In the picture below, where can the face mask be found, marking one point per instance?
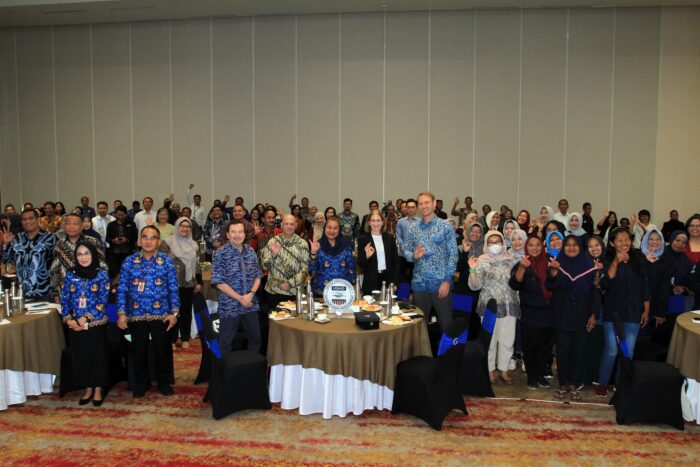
(495, 249)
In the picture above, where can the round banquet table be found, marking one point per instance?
(337, 368)
(30, 356)
(684, 354)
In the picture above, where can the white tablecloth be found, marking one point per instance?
(690, 399)
(312, 391)
(15, 386)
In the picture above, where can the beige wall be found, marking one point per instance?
(516, 107)
(678, 141)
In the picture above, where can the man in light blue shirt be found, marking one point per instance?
(403, 226)
(432, 247)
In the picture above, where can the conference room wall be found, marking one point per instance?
(515, 107)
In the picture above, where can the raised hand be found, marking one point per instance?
(7, 236)
(456, 199)
(622, 257)
(419, 252)
(473, 262)
(553, 263)
(191, 185)
(466, 245)
(315, 246)
(525, 262)
(369, 250)
(276, 247)
(597, 264)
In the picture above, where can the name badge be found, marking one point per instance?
(82, 302)
(142, 285)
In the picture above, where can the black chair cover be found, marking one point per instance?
(427, 387)
(474, 377)
(647, 392)
(238, 379)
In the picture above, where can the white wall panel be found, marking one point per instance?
(192, 109)
(317, 150)
(543, 106)
(112, 112)
(74, 137)
(151, 110)
(233, 110)
(274, 110)
(497, 107)
(589, 107)
(451, 105)
(406, 105)
(9, 141)
(36, 115)
(361, 108)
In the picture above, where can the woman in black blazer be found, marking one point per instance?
(379, 259)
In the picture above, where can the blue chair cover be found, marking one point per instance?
(488, 322)
(213, 344)
(462, 302)
(404, 291)
(676, 304)
(446, 342)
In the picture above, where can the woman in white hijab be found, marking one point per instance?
(490, 273)
(183, 250)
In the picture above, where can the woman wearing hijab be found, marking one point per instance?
(658, 272)
(184, 250)
(594, 342)
(575, 227)
(317, 229)
(626, 289)
(490, 274)
(471, 245)
(554, 241)
(575, 303)
(528, 278)
(331, 258)
(84, 298)
(509, 226)
(90, 232)
(492, 220)
(680, 265)
(523, 220)
(517, 243)
(537, 227)
(377, 254)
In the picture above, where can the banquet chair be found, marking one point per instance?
(238, 378)
(647, 392)
(457, 333)
(240, 341)
(462, 303)
(427, 387)
(474, 377)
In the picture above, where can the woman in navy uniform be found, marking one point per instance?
(84, 300)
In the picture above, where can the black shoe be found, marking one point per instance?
(531, 384)
(139, 394)
(166, 390)
(543, 383)
(97, 403)
(85, 401)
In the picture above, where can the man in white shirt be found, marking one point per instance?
(198, 213)
(562, 216)
(147, 216)
(101, 220)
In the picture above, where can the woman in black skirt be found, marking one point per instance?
(84, 300)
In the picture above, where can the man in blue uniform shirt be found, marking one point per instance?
(148, 301)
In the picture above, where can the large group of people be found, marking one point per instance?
(555, 276)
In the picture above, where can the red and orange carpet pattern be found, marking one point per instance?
(179, 430)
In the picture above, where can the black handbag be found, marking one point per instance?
(367, 320)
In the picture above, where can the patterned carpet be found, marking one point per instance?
(179, 430)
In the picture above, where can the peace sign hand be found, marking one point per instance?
(369, 250)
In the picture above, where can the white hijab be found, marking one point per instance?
(184, 248)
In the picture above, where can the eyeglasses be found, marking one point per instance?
(694, 226)
(149, 237)
(87, 253)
